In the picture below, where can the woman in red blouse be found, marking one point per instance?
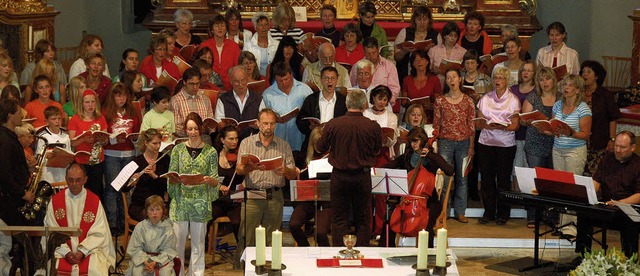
(156, 62)
(454, 127)
(96, 80)
(351, 51)
(228, 56)
(421, 83)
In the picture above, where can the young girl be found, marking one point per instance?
(121, 117)
(35, 109)
(89, 119)
(160, 117)
(153, 243)
(76, 86)
(526, 85)
(48, 68)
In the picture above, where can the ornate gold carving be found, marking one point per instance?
(23, 6)
(529, 6)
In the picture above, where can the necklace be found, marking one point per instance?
(456, 97)
(325, 33)
(194, 151)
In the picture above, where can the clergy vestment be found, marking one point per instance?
(83, 210)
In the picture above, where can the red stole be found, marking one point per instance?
(89, 214)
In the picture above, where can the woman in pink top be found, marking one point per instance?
(453, 125)
(497, 146)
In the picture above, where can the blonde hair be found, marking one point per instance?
(96, 113)
(4, 57)
(407, 117)
(146, 137)
(284, 11)
(47, 68)
(522, 69)
(578, 83)
(74, 93)
(503, 71)
(155, 200)
(544, 72)
(25, 129)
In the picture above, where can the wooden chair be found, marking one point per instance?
(618, 72)
(58, 186)
(66, 56)
(129, 223)
(213, 233)
(441, 222)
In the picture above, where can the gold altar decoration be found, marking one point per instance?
(22, 24)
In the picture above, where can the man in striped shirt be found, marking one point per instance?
(190, 100)
(265, 145)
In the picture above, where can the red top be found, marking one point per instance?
(343, 56)
(79, 125)
(148, 68)
(432, 89)
(35, 109)
(103, 87)
(230, 55)
(125, 123)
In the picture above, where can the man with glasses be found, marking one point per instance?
(384, 71)
(239, 103)
(189, 100)
(326, 58)
(323, 106)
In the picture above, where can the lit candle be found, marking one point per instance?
(30, 35)
(441, 250)
(423, 244)
(260, 246)
(276, 249)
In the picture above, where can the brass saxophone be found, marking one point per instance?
(34, 212)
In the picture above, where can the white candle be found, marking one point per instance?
(260, 246)
(30, 35)
(423, 244)
(276, 249)
(441, 249)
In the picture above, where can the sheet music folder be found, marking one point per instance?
(310, 190)
(562, 191)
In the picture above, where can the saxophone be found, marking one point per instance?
(34, 212)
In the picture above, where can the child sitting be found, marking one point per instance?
(153, 244)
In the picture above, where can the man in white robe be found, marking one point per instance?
(92, 252)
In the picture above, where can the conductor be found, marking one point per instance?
(353, 142)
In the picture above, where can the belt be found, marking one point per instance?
(266, 189)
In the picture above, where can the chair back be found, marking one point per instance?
(618, 72)
(129, 223)
(441, 222)
(67, 56)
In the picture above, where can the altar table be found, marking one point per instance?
(302, 261)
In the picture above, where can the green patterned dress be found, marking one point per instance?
(192, 203)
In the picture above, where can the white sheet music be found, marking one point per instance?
(398, 183)
(629, 210)
(124, 175)
(591, 190)
(525, 178)
(319, 166)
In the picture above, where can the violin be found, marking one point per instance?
(232, 156)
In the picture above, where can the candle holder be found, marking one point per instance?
(440, 270)
(421, 272)
(261, 269)
(276, 272)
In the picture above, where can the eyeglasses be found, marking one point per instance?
(330, 78)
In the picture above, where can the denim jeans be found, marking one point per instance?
(112, 199)
(453, 152)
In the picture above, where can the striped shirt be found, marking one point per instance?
(295, 33)
(182, 104)
(258, 179)
(572, 120)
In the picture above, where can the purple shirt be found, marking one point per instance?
(521, 133)
(498, 110)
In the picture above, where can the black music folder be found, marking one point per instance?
(562, 191)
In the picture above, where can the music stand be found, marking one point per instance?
(54, 236)
(390, 182)
(311, 190)
(245, 194)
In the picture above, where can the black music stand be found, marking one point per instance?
(311, 192)
(390, 182)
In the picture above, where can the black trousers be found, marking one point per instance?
(628, 235)
(305, 211)
(95, 179)
(351, 192)
(497, 164)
